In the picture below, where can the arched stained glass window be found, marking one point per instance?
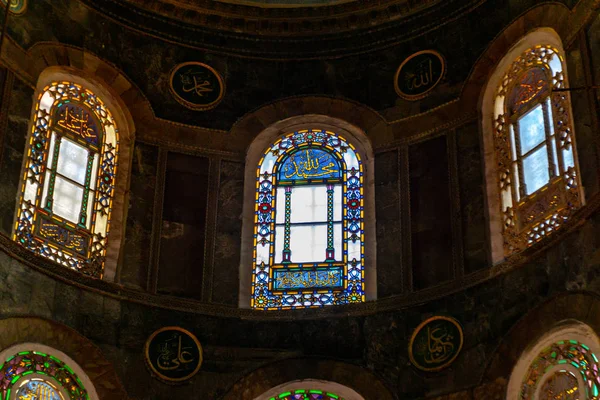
(308, 233)
(32, 375)
(306, 394)
(534, 144)
(68, 178)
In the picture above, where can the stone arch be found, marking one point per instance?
(33, 333)
(292, 372)
(255, 151)
(577, 309)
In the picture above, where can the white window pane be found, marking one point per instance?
(280, 206)
(350, 159)
(45, 190)
(309, 204)
(101, 223)
(94, 172)
(337, 241)
(531, 129)
(308, 243)
(499, 106)
(262, 253)
(535, 170)
(551, 120)
(72, 160)
(51, 150)
(555, 64)
(278, 244)
(337, 203)
(516, 180)
(513, 146)
(568, 158)
(554, 157)
(90, 208)
(67, 199)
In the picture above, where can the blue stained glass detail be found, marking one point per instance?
(309, 164)
(38, 390)
(535, 170)
(285, 279)
(310, 185)
(531, 129)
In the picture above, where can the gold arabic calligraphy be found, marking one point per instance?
(309, 167)
(308, 279)
(422, 77)
(439, 345)
(79, 124)
(529, 88)
(62, 236)
(168, 359)
(191, 82)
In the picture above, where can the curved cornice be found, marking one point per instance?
(275, 33)
(399, 302)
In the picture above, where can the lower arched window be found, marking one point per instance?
(37, 372)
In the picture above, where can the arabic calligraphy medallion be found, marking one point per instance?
(196, 85)
(173, 354)
(435, 343)
(16, 6)
(419, 74)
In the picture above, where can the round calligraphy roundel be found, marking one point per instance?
(173, 354)
(419, 74)
(196, 85)
(435, 343)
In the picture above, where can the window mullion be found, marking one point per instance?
(53, 168)
(86, 190)
(287, 253)
(551, 166)
(522, 185)
(330, 252)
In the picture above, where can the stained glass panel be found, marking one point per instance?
(308, 237)
(15, 374)
(61, 178)
(534, 148)
(305, 394)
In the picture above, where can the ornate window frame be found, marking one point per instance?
(57, 367)
(516, 220)
(60, 83)
(265, 140)
(571, 347)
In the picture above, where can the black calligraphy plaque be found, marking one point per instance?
(419, 74)
(196, 85)
(435, 343)
(173, 354)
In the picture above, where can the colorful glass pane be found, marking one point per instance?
(38, 389)
(308, 236)
(19, 367)
(565, 353)
(534, 149)
(306, 394)
(561, 385)
(68, 179)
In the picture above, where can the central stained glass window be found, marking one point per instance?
(308, 230)
(307, 395)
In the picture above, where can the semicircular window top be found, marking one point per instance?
(67, 187)
(306, 394)
(308, 224)
(534, 146)
(33, 375)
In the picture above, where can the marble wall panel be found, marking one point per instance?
(19, 111)
(136, 254)
(228, 234)
(431, 229)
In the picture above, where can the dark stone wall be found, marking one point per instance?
(136, 254)
(17, 103)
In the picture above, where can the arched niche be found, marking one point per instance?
(255, 152)
(566, 353)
